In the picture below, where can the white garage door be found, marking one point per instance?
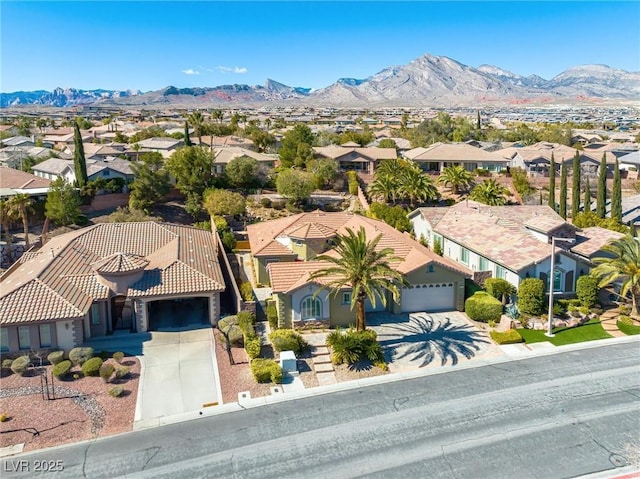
(428, 297)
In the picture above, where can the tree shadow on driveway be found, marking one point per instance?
(423, 339)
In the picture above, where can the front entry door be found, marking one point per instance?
(118, 320)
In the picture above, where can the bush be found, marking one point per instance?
(483, 307)
(229, 324)
(91, 366)
(510, 336)
(55, 357)
(266, 202)
(287, 340)
(21, 365)
(228, 240)
(266, 370)
(6, 366)
(106, 371)
(118, 357)
(272, 316)
(352, 178)
(61, 369)
(247, 321)
(351, 346)
(122, 372)
(116, 391)
(499, 288)
(587, 290)
(79, 356)
(253, 346)
(246, 290)
(531, 296)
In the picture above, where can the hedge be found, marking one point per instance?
(531, 296)
(21, 365)
(61, 369)
(587, 290)
(247, 321)
(55, 357)
(266, 370)
(483, 307)
(78, 356)
(287, 340)
(91, 366)
(511, 336)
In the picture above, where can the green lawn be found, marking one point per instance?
(587, 332)
(628, 329)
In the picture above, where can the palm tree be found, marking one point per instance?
(622, 262)
(363, 267)
(490, 193)
(416, 186)
(197, 120)
(5, 221)
(456, 177)
(19, 206)
(385, 186)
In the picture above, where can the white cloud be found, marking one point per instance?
(191, 71)
(239, 70)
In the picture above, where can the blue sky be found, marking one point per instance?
(152, 44)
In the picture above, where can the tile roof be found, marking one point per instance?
(452, 152)
(224, 155)
(590, 240)
(177, 260)
(371, 153)
(16, 179)
(310, 231)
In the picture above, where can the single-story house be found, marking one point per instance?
(438, 156)
(284, 252)
(363, 159)
(105, 278)
(224, 155)
(14, 181)
(510, 242)
(109, 168)
(163, 145)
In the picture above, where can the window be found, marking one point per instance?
(500, 272)
(346, 297)
(4, 339)
(45, 335)
(464, 255)
(95, 314)
(557, 280)
(24, 341)
(311, 308)
(483, 265)
(431, 269)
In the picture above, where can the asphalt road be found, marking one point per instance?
(556, 416)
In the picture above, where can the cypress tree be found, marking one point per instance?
(616, 195)
(552, 183)
(563, 191)
(575, 190)
(601, 195)
(587, 198)
(79, 162)
(187, 140)
(478, 125)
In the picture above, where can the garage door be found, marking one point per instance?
(428, 297)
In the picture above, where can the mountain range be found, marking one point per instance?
(429, 81)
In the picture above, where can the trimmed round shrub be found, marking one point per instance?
(118, 357)
(78, 356)
(106, 371)
(511, 336)
(21, 365)
(587, 290)
(531, 296)
(287, 340)
(91, 366)
(122, 372)
(61, 369)
(266, 370)
(499, 288)
(55, 357)
(116, 391)
(253, 346)
(483, 307)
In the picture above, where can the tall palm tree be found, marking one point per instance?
(416, 186)
(456, 177)
(363, 267)
(197, 120)
(5, 221)
(385, 186)
(490, 193)
(622, 262)
(19, 207)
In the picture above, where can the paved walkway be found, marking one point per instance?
(608, 320)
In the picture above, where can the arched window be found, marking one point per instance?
(311, 308)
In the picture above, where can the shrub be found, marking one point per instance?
(266, 370)
(228, 240)
(510, 336)
(79, 356)
(531, 296)
(625, 320)
(246, 290)
(266, 202)
(118, 357)
(20, 365)
(230, 326)
(272, 316)
(499, 288)
(61, 369)
(287, 340)
(351, 346)
(116, 391)
(587, 290)
(106, 371)
(247, 321)
(6, 366)
(122, 372)
(55, 357)
(91, 366)
(4, 417)
(253, 346)
(352, 178)
(437, 247)
(483, 307)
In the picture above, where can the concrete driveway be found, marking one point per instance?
(418, 340)
(179, 373)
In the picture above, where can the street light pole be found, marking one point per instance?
(549, 332)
